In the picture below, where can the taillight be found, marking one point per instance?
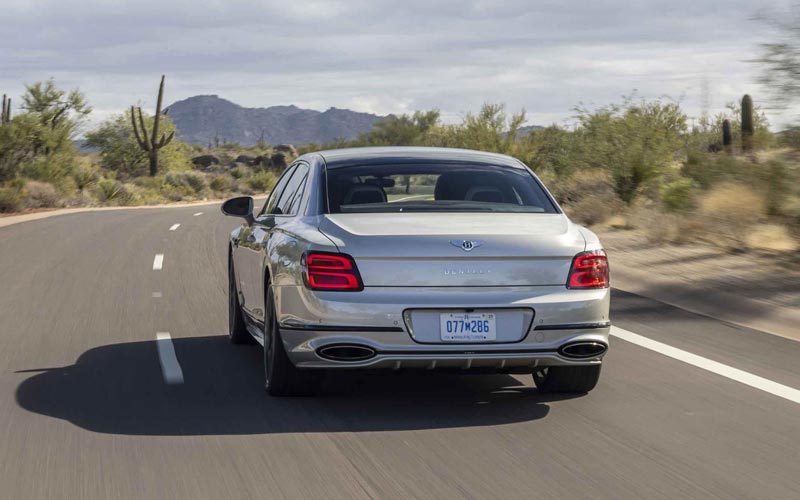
(589, 270)
(331, 271)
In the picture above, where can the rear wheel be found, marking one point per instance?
(567, 379)
(282, 378)
(237, 330)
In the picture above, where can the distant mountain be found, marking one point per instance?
(202, 118)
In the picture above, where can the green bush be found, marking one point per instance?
(194, 181)
(85, 176)
(51, 168)
(110, 190)
(677, 196)
(239, 172)
(11, 199)
(220, 183)
(262, 181)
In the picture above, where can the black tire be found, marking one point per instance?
(237, 330)
(567, 379)
(281, 377)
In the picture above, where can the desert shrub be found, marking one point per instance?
(111, 190)
(11, 199)
(594, 208)
(85, 176)
(778, 186)
(671, 228)
(677, 196)
(239, 172)
(156, 183)
(139, 195)
(734, 201)
(580, 185)
(220, 183)
(40, 195)
(50, 168)
(262, 181)
(120, 152)
(195, 181)
(635, 142)
(731, 209)
(771, 238)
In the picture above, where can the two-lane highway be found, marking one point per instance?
(116, 381)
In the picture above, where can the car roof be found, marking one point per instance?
(348, 157)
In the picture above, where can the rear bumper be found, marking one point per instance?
(374, 319)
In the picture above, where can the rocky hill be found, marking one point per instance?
(201, 119)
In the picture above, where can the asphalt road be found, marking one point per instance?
(85, 411)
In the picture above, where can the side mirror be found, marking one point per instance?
(239, 207)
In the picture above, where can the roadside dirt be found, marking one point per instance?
(757, 290)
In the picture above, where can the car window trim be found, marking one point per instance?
(297, 165)
(290, 172)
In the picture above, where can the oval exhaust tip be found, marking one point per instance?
(349, 352)
(583, 349)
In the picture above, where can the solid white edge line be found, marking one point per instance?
(174, 227)
(198, 213)
(730, 372)
(158, 262)
(170, 367)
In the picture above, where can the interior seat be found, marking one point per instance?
(489, 194)
(361, 194)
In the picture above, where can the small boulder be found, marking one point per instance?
(247, 160)
(205, 160)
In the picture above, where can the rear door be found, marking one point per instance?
(249, 254)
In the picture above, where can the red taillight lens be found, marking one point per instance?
(329, 271)
(589, 270)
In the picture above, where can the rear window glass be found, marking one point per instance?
(452, 187)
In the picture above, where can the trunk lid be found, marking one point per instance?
(427, 249)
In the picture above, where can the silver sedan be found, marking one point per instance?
(419, 258)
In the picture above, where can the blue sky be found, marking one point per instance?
(388, 56)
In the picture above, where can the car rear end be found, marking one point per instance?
(450, 264)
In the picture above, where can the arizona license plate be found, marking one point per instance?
(467, 327)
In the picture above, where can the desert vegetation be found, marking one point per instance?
(637, 163)
(129, 159)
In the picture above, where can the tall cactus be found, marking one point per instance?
(152, 143)
(5, 113)
(747, 123)
(727, 135)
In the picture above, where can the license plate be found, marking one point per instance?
(467, 327)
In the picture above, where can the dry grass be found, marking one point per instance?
(771, 238)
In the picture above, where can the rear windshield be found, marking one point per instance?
(452, 187)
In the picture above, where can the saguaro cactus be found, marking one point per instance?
(727, 136)
(5, 113)
(152, 143)
(747, 123)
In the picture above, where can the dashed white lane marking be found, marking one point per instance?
(170, 367)
(730, 372)
(158, 262)
(174, 227)
(157, 295)
(198, 213)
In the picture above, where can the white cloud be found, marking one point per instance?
(385, 56)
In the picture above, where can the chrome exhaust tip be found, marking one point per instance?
(346, 352)
(582, 350)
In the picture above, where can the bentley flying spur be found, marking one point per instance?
(416, 258)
